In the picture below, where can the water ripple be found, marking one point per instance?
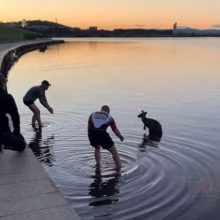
(177, 178)
(157, 180)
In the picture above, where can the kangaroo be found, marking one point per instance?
(155, 129)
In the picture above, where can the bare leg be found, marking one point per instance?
(115, 156)
(36, 116)
(97, 155)
(33, 120)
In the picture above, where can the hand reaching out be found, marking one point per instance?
(50, 110)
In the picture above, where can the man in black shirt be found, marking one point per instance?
(37, 92)
(11, 140)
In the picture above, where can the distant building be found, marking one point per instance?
(24, 23)
(93, 28)
(175, 26)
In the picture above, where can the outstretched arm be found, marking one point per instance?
(48, 108)
(118, 134)
(116, 131)
(43, 101)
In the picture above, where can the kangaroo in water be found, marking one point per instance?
(155, 129)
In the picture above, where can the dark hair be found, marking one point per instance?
(45, 82)
(105, 108)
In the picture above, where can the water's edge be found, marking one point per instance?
(22, 48)
(5, 64)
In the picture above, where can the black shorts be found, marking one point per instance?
(28, 103)
(100, 138)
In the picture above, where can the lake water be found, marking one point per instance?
(177, 81)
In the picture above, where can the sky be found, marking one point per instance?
(111, 14)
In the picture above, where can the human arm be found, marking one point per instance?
(116, 131)
(48, 108)
(43, 101)
(118, 134)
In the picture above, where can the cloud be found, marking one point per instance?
(216, 26)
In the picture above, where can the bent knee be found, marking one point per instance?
(112, 149)
(37, 111)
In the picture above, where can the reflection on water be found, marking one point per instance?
(176, 80)
(104, 187)
(42, 148)
(148, 141)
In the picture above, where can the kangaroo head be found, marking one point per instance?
(142, 114)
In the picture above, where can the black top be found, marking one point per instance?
(36, 92)
(8, 105)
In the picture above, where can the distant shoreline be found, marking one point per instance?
(31, 29)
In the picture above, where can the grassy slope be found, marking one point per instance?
(12, 34)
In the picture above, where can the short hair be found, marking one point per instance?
(45, 82)
(105, 108)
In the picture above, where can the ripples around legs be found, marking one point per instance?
(167, 180)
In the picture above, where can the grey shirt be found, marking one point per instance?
(36, 92)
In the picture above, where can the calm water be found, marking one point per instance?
(175, 80)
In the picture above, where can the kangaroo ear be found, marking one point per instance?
(142, 111)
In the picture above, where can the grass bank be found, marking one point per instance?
(13, 34)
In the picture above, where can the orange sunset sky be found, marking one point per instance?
(110, 14)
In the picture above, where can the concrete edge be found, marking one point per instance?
(24, 47)
(5, 65)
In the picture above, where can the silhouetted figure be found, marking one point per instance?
(155, 129)
(9, 59)
(37, 92)
(13, 56)
(8, 139)
(97, 125)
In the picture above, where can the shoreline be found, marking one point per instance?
(6, 59)
(26, 189)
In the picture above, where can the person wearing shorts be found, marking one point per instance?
(98, 136)
(37, 92)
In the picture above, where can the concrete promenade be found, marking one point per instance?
(4, 48)
(26, 191)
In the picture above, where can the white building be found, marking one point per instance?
(24, 23)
